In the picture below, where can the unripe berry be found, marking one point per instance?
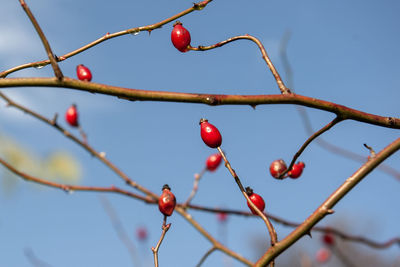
(83, 73)
(71, 116)
(210, 134)
(213, 161)
(256, 199)
(277, 167)
(180, 37)
(296, 170)
(167, 201)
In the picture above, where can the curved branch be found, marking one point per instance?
(281, 85)
(308, 141)
(211, 99)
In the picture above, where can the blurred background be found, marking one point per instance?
(340, 51)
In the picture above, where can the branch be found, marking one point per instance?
(322, 229)
(210, 99)
(165, 228)
(119, 229)
(281, 85)
(270, 227)
(328, 204)
(197, 178)
(205, 256)
(35, 261)
(308, 141)
(83, 144)
(56, 68)
(107, 36)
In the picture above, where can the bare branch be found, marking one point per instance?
(281, 85)
(210, 99)
(271, 230)
(53, 61)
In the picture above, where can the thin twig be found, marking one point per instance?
(71, 188)
(197, 178)
(271, 230)
(33, 259)
(326, 207)
(308, 141)
(281, 85)
(107, 36)
(165, 228)
(210, 99)
(120, 230)
(342, 257)
(205, 256)
(53, 61)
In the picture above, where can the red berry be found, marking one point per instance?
(222, 217)
(180, 37)
(210, 134)
(71, 116)
(328, 239)
(296, 170)
(323, 255)
(141, 233)
(167, 201)
(213, 162)
(277, 167)
(256, 199)
(83, 73)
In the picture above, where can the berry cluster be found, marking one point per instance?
(278, 168)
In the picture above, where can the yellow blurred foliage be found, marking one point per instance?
(58, 166)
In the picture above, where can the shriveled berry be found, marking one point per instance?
(213, 161)
(83, 73)
(180, 37)
(323, 255)
(210, 134)
(256, 199)
(296, 170)
(167, 201)
(277, 167)
(71, 116)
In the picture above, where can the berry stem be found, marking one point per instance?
(165, 227)
(308, 141)
(281, 85)
(197, 178)
(270, 227)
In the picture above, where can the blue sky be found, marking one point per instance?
(344, 52)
